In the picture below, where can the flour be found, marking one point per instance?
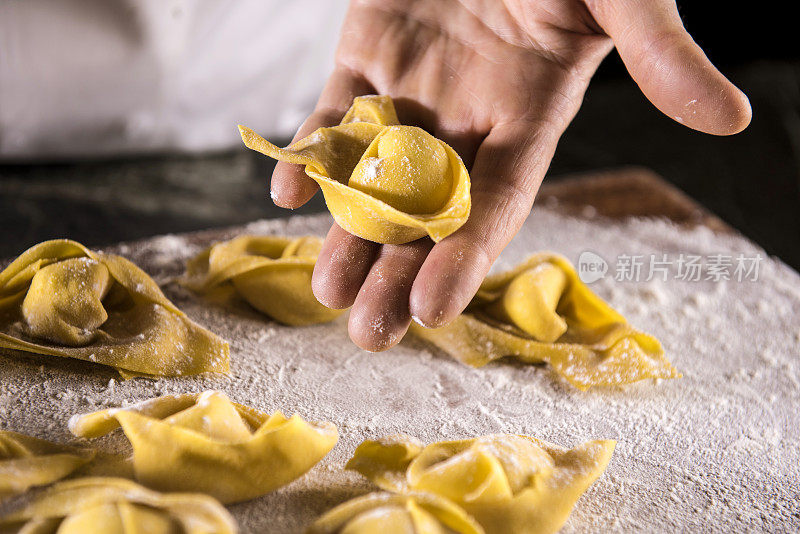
(371, 169)
(717, 450)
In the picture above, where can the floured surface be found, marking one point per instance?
(718, 449)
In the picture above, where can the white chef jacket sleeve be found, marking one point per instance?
(92, 78)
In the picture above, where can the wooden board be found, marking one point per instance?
(715, 450)
(614, 193)
(626, 192)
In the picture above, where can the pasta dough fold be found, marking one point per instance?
(26, 461)
(206, 443)
(117, 506)
(273, 274)
(509, 483)
(541, 312)
(61, 299)
(382, 181)
(414, 513)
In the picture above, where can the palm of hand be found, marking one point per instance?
(460, 76)
(499, 82)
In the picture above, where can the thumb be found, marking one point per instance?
(670, 68)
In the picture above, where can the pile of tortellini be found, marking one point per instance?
(497, 484)
(193, 453)
(190, 453)
(59, 298)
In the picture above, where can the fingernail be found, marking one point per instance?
(418, 321)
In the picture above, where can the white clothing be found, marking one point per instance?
(99, 77)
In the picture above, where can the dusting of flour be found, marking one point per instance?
(718, 450)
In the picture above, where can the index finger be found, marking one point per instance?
(290, 186)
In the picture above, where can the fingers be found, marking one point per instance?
(669, 67)
(380, 315)
(342, 266)
(375, 280)
(508, 169)
(290, 186)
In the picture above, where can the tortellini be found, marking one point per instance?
(508, 483)
(59, 298)
(541, 312)
(206, 443)
(26, 462)
(382, 181)
(273, 274)
(116, 506)
(415, 513)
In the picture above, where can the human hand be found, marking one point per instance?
(499, 81)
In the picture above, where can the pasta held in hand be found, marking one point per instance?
(206, 443)
(59, 298)
(541, 312)
(509, 484)
(273, 274)
(382, 181)
(26, 462)
(414, 513)
(117, 506)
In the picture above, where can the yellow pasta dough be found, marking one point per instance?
(382, 181)
(59, 298)
(387, 513)
(206, 443)
(541, 312)
(26, 461)
(509, 483)
(117, 506)
(273, 274)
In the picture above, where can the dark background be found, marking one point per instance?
(751, 180)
